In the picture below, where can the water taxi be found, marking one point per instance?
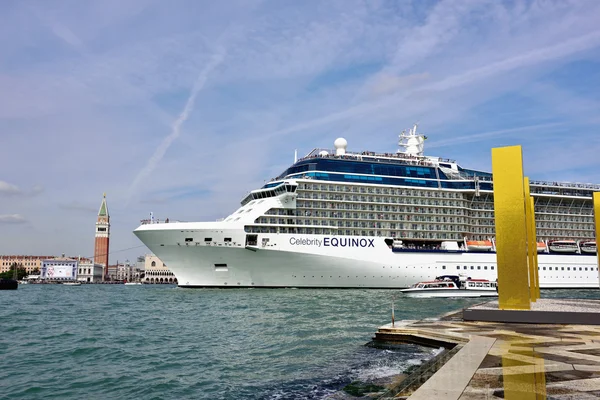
(453, 286)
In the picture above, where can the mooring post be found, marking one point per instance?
(393, 298)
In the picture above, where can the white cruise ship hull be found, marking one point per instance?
(321, 261)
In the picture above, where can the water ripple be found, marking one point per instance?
(160, 342)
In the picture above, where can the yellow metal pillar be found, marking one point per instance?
(596, 198)
(531, 241)
(511, 231)
(536, 271)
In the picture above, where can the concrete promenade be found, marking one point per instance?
(505, 360)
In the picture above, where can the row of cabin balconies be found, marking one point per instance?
(381, 191)
(328, 204)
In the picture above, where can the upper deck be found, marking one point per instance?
(409, 167)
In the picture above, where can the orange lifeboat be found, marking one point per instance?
(541, 247)
(479, 245)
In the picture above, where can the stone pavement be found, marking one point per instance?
(525, 361)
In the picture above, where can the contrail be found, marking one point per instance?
(176, 127)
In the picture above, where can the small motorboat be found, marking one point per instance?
(452, 286)
(588, 247)
(563, 246)
(479, 245)
(72, 283)
(132, 283)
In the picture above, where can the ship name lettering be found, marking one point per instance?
(333, 242)
(348, 242)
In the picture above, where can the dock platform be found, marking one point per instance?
(494, 360)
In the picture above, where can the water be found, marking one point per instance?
(162, 342)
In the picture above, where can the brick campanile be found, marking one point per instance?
(102, 237)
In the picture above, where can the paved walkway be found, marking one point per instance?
(521, 360)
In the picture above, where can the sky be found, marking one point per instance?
(181, 108)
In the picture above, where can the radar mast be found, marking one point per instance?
(411, 143)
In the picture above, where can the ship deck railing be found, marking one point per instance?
(371, 156)
(157, 221)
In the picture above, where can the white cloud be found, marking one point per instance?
(12, 219)
(9, 189)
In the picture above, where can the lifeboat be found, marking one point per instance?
(588, 247)
(541, 247)
(479, 245)
(563, 246)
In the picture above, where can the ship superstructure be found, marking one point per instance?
(337, 219)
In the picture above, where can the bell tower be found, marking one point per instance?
(102, 237)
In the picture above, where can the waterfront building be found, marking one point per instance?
(101, 246)
(88, 271)
(128, 272)
(59, 269)
(110, 273)
(157, 271)
(30, 263)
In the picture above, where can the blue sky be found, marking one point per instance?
(181, 108)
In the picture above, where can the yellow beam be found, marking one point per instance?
(596, 198)
(511, 230)
(531, 240)
(536, 271)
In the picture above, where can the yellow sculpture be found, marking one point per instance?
(511, 228)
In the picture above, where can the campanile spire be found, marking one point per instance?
(101, 247)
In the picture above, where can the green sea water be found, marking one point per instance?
(163, 342)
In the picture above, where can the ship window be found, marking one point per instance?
(586, 268)
(458, 267)
(443, 267)
(472, 267)
(189, 239)
(562, 268)
(479, 267)
(580, 268)
(568, 268)
(208, 239)
(227, 240)
(465, 267)
(485, 267)
(544, 268)
(492, 267)
(549, 268)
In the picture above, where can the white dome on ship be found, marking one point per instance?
(340, 145)
(323, 153)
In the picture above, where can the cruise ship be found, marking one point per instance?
(342, 219)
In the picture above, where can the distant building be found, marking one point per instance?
(110, 273)
(101, 245)
(128, 272)
(59, 269)
(155, 271)
(30, 263)
(88, 271)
